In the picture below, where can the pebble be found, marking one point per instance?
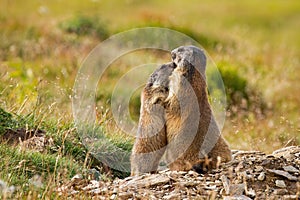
(225, 184)
(236, 197)
(125, 195)
(250, 192)
(280, 191)
(280, 183)
(237, 189)
(291, 169)
(114, 196)
(77, 176)
(261, 176)
(115, 191)
(258, 168)
(284, 174)
(213, 187)
(171, 196)
(193, 173)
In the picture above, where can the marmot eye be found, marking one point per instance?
(173, 55)
(174, 65)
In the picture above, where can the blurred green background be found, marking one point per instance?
(255, 44)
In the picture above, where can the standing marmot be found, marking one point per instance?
(176, 117)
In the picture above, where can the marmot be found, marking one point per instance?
(151, 139)
(176, 118)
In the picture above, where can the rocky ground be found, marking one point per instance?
(250, 175)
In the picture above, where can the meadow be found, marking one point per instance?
(255, 44)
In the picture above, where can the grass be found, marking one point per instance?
(42, 44)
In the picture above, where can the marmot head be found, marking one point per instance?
(158, 84)
(188, 58)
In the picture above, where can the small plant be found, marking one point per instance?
(85, 25)
(6, 120)
(239, 94)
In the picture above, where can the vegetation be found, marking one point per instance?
(42, 44)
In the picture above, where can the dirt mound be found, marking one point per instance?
(33, 139)
(250, 175)
(21, 134)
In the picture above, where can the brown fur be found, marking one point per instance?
(151, 138)
(181, 124)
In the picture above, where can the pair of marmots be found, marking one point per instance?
(176, 120)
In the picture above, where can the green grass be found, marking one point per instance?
(42, 44)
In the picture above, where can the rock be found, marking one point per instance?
(166, 186)
(99, 191)
(261, 176)
(171, 196)
(115, 191)
(187, 183)
(225, 184)
(240, 153)
(237, 189)
(266, 162)
(182, 172)
(3, 185)
(291, 197)
(250, 192)
(93, 174)
(6, 190)
(280, 183)
(125, 195)
(246, 176)
(291, 169)
(77, 176)
(258, 168)
(284, 174)
(36, 181)
(93, 184)
(236, 197)
(114, 196)
(151, 180)
(280, 191)
(287, 152)
(193, 173)
(213, 187)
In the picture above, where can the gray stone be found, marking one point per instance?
(236, 197)
(225, 184)
(284, 174)
(250, 192)
(77, 176)
(151, 180)
(280, 191)
(280, 183)
(171, 196)
(287, 152)
(258, 168)
(213, 187)
(261, 176)
(237, 189)
(114, 196)
(290, 168)
(125, 195)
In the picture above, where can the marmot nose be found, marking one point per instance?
(173, 55)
